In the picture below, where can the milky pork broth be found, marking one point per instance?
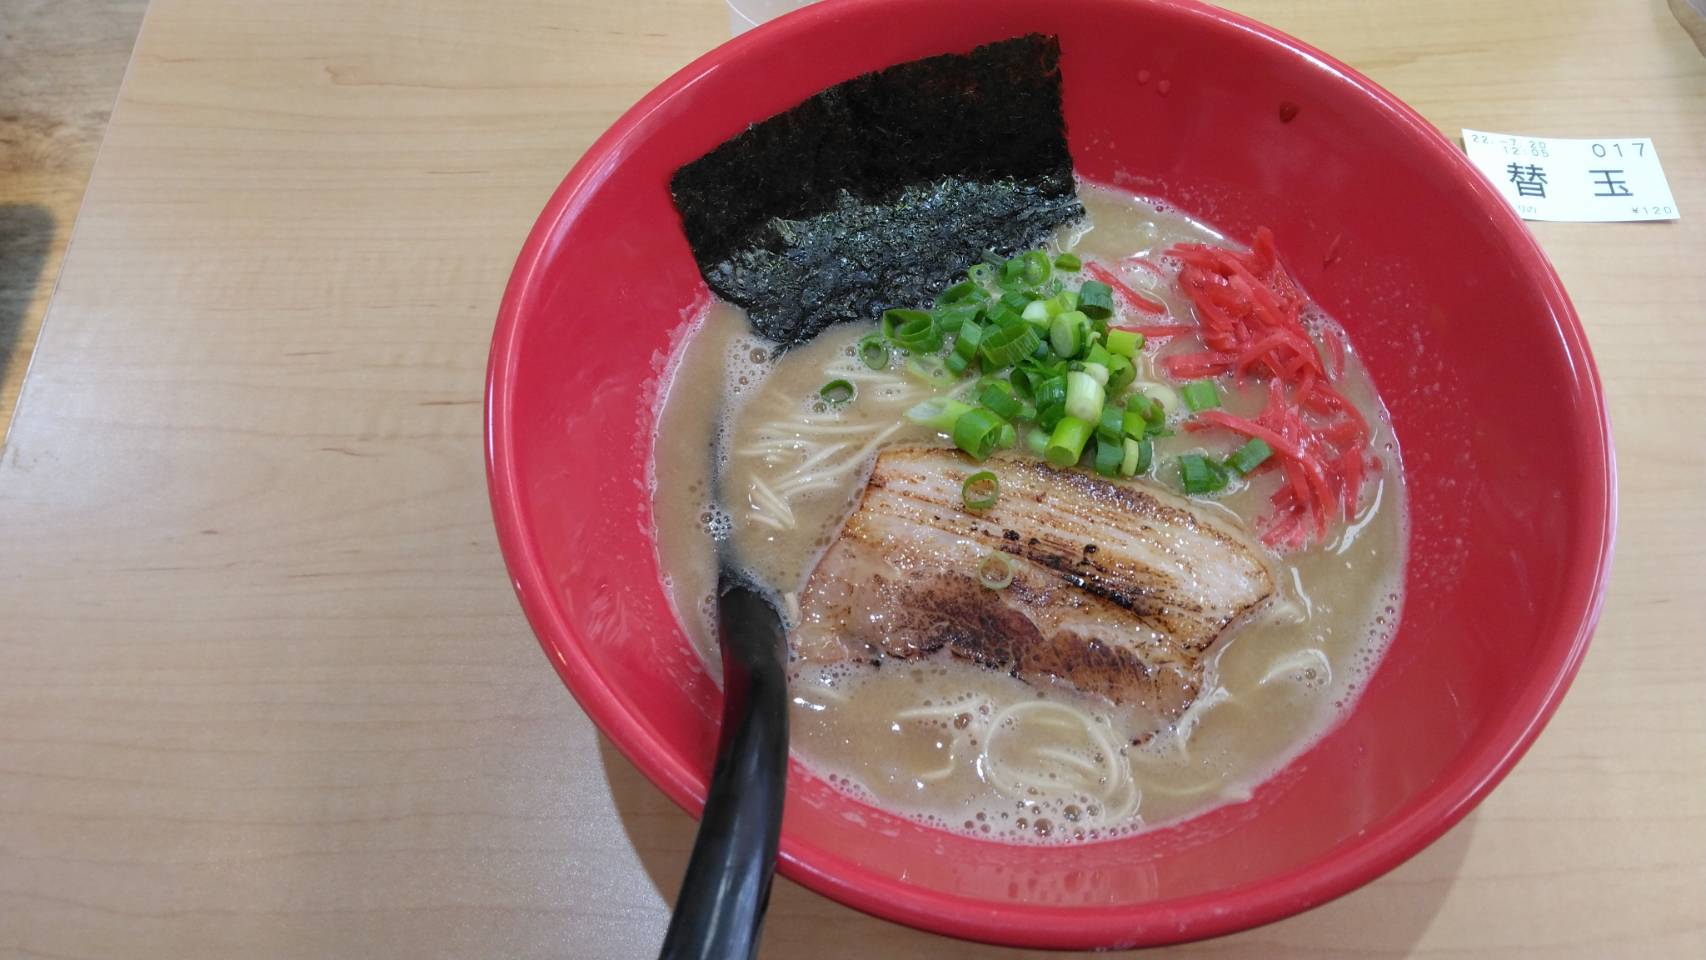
(748, 451)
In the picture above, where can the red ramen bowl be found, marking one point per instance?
(1461, 321)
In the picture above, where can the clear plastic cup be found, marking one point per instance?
(746, 14)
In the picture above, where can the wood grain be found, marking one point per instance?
(264, 690)
(60, 66)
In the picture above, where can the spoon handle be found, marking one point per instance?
(723, 897)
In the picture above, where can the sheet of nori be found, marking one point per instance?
(879, 191)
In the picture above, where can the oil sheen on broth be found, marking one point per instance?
(967, 748)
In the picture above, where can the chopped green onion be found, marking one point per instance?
(1200, 395)
(1066, 444)
(938, 412)
(1001, 315)
(912, 330)
(1133, 425)
(1009, 344)
(978, 432)
(1160, 411)
(1068, 332)
(837, 391)
(1098, 354)
(1049, 366)
(996, 571)
(1051, 392)
(1000, 402)
(950, 318)
(1096, 299)
(1036, 312)
(1139, 454)
(1109, 456)
(956, 364)
(964, 290)
(970, 336)
(1022, 382)
(1141, 404)
(1120, 373)
(1099, 372)
(1250, 456)
(980, 273)
(1111, 425)
(1012, 270)
(1068, 261)
(1130, 450)
(1036, 440)
(874, 353)
(1084, 396)
(1165, 398)
(1008, 436)
(1037, 267)
(931, 370)
(1200, 474)
(980, 490)
(1049, 417)
(1016, 301)
(1124, 343)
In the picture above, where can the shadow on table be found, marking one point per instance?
(1385, 919)
(26, 235)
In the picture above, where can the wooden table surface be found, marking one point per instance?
(264, 689)
(60, 66)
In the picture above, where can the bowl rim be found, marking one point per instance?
(1423, 819)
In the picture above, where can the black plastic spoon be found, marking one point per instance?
(721, 906)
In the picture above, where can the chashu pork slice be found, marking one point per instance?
(1118, 590)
